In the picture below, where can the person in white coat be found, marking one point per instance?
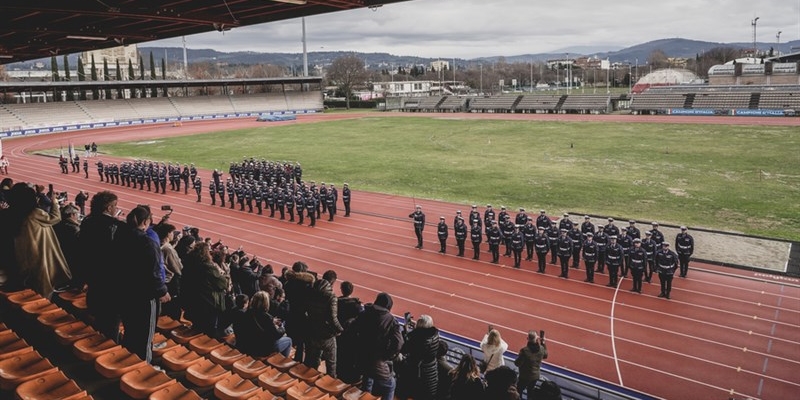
(493, 347)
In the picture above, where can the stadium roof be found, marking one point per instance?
(42, 28)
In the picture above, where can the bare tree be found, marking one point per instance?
(658, 59)
(347, 72)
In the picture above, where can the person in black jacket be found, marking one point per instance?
(476, 236)
(143, 284)
(419, 224)
(467, 383)
(346, 196)
(460, 230)
(420, 376)
(542, 245)
(378, 334)
(590, 254)
(259, 334)
(442, 233)
(323, 324)
(349, 309)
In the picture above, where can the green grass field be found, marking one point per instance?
(697, 175)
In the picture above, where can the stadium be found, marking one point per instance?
(730, 330)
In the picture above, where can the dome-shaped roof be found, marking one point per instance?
(669, 76)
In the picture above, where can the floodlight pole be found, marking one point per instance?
(531, 76)
(481, 79)
(755, 25)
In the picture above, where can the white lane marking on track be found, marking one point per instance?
(613, 341)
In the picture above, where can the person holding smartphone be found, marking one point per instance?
(529, 362)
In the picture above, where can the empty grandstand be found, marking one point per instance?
(719, 100)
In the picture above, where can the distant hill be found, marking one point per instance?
(674, 47)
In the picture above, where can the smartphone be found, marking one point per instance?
(119, 212)
(166, 208)
(541, 336)
(50, 188)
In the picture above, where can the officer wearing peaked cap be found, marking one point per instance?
(442, 233)
(418, 218)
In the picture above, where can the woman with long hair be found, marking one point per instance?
(258, 333)
(467, 382)
(493, 347)
(204, 287)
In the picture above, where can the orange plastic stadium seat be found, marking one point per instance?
(140, 382)
(91, 347)
(12, 345)
(39, 307)
(249, 367)
(3, 327)
(303, 391)
(55, 319)
(6, 294)
(80, 303)
(204, 344)
(355, 393)
(179, 358)
(183, 334)
(117, 362)
(54, 386)
(235, 387)
(264, 395)
(165, 324)
(70, 333)
(206, 373)
(70, 296)
(305, 373)
(331, 385)
(277, 360)
(175, 391)
(225, 356)
(162, 346)
(23, 367)
(23, 297)
(275, 381)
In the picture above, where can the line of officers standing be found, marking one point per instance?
(622, 250)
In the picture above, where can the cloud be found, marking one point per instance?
(478, 28)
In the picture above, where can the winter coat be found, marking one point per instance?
(38, 253)
(493, 355)
(321, 310)
(529, 362)
(378, 334)
(203, 288)
(256, 333)
(420, 375)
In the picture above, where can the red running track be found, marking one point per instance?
(722, 335)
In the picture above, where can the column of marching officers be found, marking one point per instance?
(620, 250)
(252, 184)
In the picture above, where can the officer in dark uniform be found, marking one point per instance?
(298, 175)
(162, 178)
(488, 217)
(553, 233)
(626, 243)
(317, 202)
(346, 195)
(280, 203)
(667, 263)
(330, 201)
(601, 239)
(494, 237)
(288, 198)
(565, 223)
(457, 216)
(442, 233)
(62, 163)
(86, 168)
(212, 191)
(198, 188)
(476, 236)
(474, 217)
(589, 256)
(650, 248)
(99, 165)
(94, 149)
(185, 176)
(221, 193)
(503, 215)
(239, 190)
(638, 264)
(611, 229)
(419, 224)
(332, 192)
(633, 231)
(614, 254)
(542, 245)
(529, 234)
(587, 226)
(271, 201)
(543, 221)
(311, 207)
(564, 252)
(192, 172)
(684, 244)
(323, 195)
(460, 231)
(150, 176)
(656, 235)
(141, 173)
(577, 243)
(517, 244)
(124, 173)
(521, 218)
(248, 197)
(507, 229)
(215, 176)
(300, 203)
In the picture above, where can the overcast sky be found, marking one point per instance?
(480, 28)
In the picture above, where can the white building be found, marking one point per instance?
(404, 88)
(440, 65)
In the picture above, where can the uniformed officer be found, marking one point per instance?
(99, 165)
(86, 167)
(684, 244)
(270, 197)
(185, 176)
(332, 192)
(650, 248)
(62, 162)
(280, 203)
(419, 224)
(248, 197)
(221, 193)
(240, 190)
(330, 202)
(614, 254)
(626, 243)
(346, 195)
(475, 217)
(494, 237)
(503, 215)
(192, 172)
(666, 262)
(529, 234)
(300, 203)
(589, 256)
(542, 245)
(517, 244)
(577, 243)
(564, 252)
(476, 236)
(311, 208)
(657, 236)
(441, 233)
(298, 174)
(198, 188)
(543, 221)
(212, 191)
(638, 258)
(460, 231)
(457, 217)
(323, 194)
(521, 218)
(507, 229)
(553, 233)
(162, 178)
(488, 218)
(565, 223)
(587, 226)
(288, 198)
(601, 239)
(610, 229)
(633, 231)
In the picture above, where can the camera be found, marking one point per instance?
(61, 197)
(541, 336)
(166, 208)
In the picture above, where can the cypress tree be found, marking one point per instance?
(95, 92)
(106, 77)
(54, 77)
(119, 78)
(153, 90)
(81, 78)
(67, 77)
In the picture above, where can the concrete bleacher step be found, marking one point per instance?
(689, 101)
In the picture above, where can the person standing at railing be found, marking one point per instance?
(529, 362)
